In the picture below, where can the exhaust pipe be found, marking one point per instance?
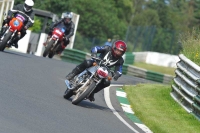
(68, 85)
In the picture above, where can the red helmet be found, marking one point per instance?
(119, 48)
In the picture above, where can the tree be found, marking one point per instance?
(98, 18)
(36, 27)
(148, 17)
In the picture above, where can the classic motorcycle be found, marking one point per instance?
(84, 83)
(54, 42)
(12, 30)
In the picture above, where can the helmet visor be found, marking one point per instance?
(27, 7)
(67, 20)
(118, 52)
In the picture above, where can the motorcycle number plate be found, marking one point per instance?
(55, 36)
(102, 73)
(58, 32)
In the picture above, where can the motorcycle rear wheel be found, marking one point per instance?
(81, 95)
(51, 54)
(48, 48)
(5, 40)
(55, 51)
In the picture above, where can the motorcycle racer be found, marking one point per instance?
(28, 20)
(112, 57)
(67, 22)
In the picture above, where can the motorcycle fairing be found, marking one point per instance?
(16, 24)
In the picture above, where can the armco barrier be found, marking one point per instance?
(150, 75)
(73, 56)
(186, 86)
(77, 56)
(129, 58)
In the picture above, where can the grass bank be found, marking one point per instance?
(154, 106)
(155, 68)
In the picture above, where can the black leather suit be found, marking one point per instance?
(27, 20)
(69, 31)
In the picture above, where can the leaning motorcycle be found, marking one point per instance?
(12, 30)
(84, 83)
(54, 42)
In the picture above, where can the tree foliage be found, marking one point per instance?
(162, 20)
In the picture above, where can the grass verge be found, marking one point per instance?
(154, 106)
(155, 68)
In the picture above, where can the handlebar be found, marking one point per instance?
(23, 14)
(99, 60)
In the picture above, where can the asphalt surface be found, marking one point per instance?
(31, 99)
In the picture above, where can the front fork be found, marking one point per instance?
(54, 44)
(14, 38)
(4, 30)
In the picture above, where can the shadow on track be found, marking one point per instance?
(18, 54)
(92, 105)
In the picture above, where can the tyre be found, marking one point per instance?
(48, 48)
(5, 40)
(83, 94)
(68, 94)
(51, 54)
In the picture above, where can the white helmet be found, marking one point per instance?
(28, 4)
(68, 15)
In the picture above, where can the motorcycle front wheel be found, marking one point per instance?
(83, 94)
(68, 93)
(48, 48)
(5, 40)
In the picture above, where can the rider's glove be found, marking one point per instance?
(8, 17)
(117, 75)
(25, 27)
(66, 39)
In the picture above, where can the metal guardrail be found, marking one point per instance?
(76, 56)
(129, 58)
(186, 86)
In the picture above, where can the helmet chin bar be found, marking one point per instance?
(26, 10)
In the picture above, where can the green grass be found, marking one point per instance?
(155, 68)
(154, 106)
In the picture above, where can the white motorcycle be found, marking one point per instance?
(84, 83)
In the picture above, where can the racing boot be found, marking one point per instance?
(74, 72)
(18, 37)
(61, 48)
(98, 88)
(91, 97)
(78, 69)
(15, 43)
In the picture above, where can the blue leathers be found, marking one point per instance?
(109, 60)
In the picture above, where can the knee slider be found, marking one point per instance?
(88, 63)
(106, 82)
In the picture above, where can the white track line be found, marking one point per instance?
(108, 102)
